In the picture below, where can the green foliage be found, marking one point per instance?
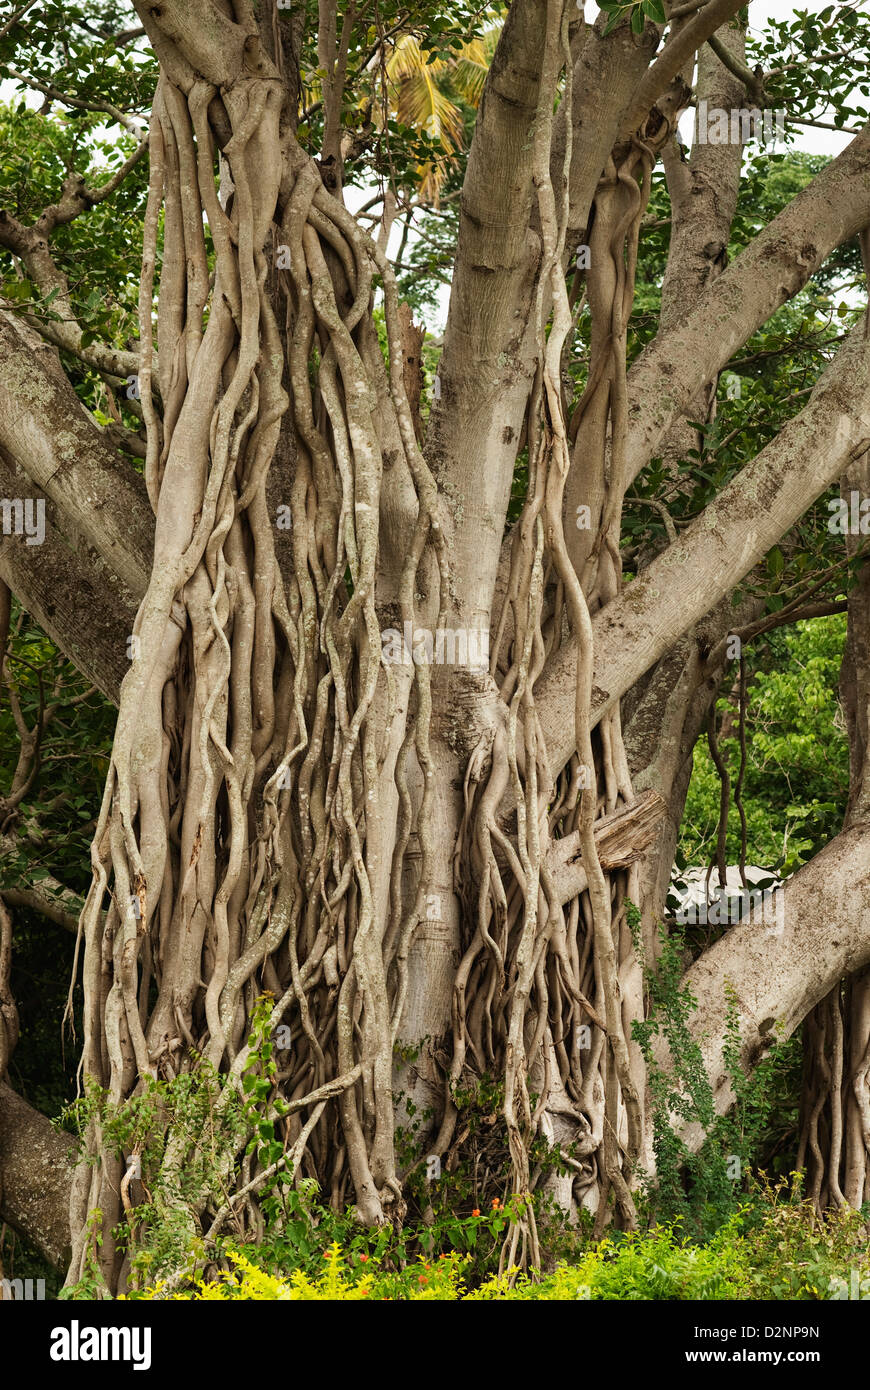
(771, 1247)
(188, 1134)
(711, 1237)
(191, 1133)
(72, 48)
(91, 1286)
(52, 828)
(797, 772)
(699, 1187)
(79, 40)
(423, 108)
(57, 812)
(340, 1277)
(637, 12)
(38, 152)
(788, 1252)
(805, 51)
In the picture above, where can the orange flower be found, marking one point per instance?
(476, 1211)
(423, 1279)
(363, 1258)
(495, 1204)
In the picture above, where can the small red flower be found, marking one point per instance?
(476, 1211)
(363, 1258)
(423, 1279)
(495, 1204)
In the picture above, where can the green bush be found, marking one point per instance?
(772, 1247)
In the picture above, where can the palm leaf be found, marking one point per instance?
(423, 105)
(468, 72)
(408, 59)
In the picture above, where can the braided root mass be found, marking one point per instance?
(267, 822)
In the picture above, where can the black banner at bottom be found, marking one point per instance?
(59, 1339)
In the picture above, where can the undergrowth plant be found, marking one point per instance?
(713, 1228)
(700, 1186)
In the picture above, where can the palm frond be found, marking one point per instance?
(408, 59)
(468, 72)
(423, 105)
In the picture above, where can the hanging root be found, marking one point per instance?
(553, 990)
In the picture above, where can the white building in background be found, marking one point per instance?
(696, 897)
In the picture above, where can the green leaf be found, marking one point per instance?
(775, 561)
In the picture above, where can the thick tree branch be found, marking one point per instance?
(776, 969)
(774, 267)
(489, 351)
(703, 190)
(73, 595)
(676, 53)
(45, 429)
(748, 517)
(39, 899)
